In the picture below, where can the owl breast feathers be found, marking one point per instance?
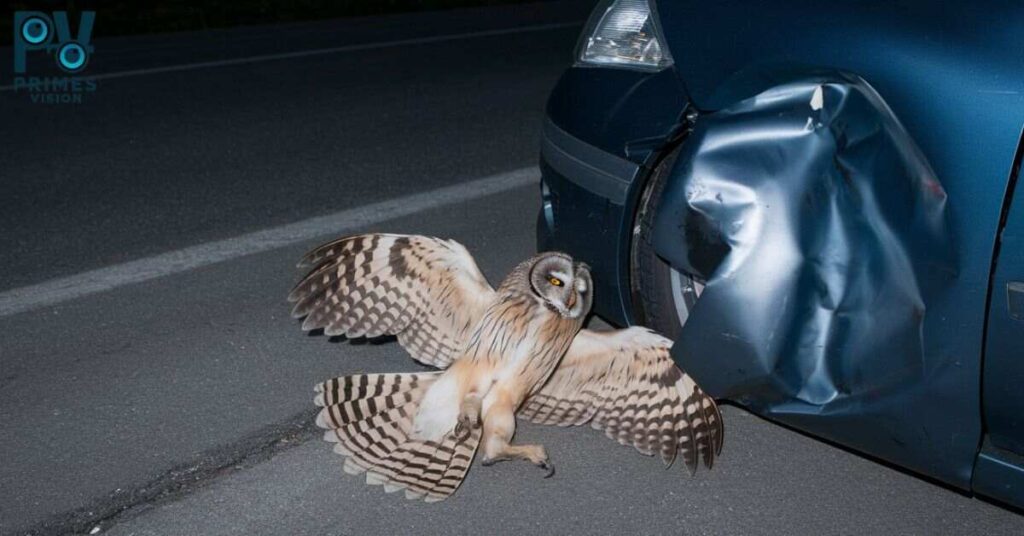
(517, 350)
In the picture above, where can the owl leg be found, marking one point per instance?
(499, 426)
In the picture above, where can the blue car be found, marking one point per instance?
(818, 202)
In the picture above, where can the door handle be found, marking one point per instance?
(1015, 299)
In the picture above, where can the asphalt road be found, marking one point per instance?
(179, 402)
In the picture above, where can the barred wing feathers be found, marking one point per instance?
(625, 383)
(426, 291)
(369, 419)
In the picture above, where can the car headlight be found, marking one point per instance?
(623, 33)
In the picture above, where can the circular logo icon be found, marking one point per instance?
(72, 57)
(35, 30)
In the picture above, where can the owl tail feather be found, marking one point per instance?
(369, 418)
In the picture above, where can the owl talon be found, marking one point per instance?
(549, 467)
(463, 429)
(469, 416)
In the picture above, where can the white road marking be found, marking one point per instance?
(321, 51)
(63, 289)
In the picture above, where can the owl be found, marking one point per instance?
(514, 351)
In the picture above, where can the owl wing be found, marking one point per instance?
(426, 291)
(625, 383)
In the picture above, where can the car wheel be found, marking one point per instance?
(662, 296)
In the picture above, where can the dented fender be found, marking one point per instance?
(821, 232)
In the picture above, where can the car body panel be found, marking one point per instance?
(1004, 346)
(638, 110)
(999, 474)
(953, 74)
(822, 236)
(601, 135)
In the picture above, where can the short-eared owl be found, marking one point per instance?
(517, 349)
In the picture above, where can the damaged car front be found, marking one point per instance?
(814, 200)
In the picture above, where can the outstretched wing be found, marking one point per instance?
(425, 290)
(369, 418)
(625, 383)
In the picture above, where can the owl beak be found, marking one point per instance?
(572, 300)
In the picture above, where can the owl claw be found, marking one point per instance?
(465, 426)
(469, 416)
(543, 463)
(462, 431)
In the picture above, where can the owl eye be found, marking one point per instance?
(555, 281)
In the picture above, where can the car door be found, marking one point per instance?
(999, 471)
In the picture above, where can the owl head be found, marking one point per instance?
(562, 284)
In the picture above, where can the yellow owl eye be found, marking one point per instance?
(555, 281)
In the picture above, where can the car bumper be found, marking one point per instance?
(585, 193)
(604, 128)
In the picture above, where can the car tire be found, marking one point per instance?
(662, 296)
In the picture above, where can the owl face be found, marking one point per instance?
(562, 285)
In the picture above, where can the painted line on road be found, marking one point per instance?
(330, 50)
(59, 290)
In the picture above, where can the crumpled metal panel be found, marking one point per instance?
(821, 232)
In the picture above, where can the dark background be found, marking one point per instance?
(136, 18)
